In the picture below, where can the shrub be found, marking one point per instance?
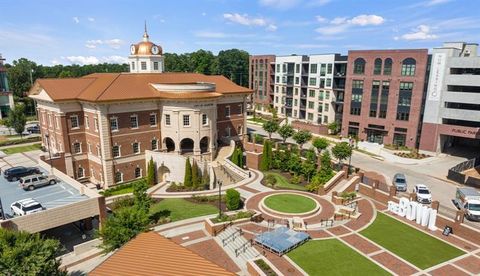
(271, 180)
(265, 267)
(125, 186)
(187, 181)
(348, 195)
(265, 162)
(195, 179)
(232, 199)
(121, 203)
(151, 173)
(296, 179)
(20, 141)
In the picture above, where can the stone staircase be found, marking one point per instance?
(222, 173)
(237, 247)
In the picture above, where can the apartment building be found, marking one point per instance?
(261, 81)
(383, 95)
(309, 89)
(99, 127)
(452, 108)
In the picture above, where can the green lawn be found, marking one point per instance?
(332, 257)
(409, 243)
(22, 148)
(183, 209)
(288, 203)
(257, 120)
(283, 183)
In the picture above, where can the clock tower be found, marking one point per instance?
(145, 56)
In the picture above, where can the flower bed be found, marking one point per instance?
(255, 267)
(411, 155)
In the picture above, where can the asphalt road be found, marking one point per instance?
(432, 174)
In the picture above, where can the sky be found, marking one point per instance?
(88, 32)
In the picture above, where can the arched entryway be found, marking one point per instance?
(169, 144)
(186, 145)
(162, 173)
(204, 144)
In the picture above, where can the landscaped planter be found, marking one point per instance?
(215, 228)
(322, 190)
(269, 269)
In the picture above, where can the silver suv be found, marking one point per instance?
(400, 182)
(34, 181)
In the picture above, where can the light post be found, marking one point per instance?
(219, 183)
(49, 153)
(350, 158)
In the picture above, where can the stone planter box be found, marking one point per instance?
(215, 228)
(254, 270)
(323, 190)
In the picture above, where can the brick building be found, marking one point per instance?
(261, 80)
(383, 95)
(98, 127)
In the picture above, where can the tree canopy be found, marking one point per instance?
(270, 126)
(320, 144)
(342, 151)
(301, 137)
(286, 131)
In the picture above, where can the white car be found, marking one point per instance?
(25, 206)
(423, 194)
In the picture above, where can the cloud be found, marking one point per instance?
(271, 27)
(76, 20)
(364, 20)
(422, 32)
(246, 20)
(320, 19)
(332, 30)
(280, 4)
(342, 24)
(113, 43)
(436, 2)
(86, 60)
(91, 19)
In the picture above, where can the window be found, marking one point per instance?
(311, 104)
(327, 95)
(50, 122)
(77, 147)
(355, 110)
(89, 147)
(403, 116)
(387, 67)
(204, 119)
(322, 83)
(326, 107)
(278, 68)
(74, 121)
(311, 93)
(114, 124)
(320, 95)
(313, 68)
(408, 67)
(329, 83)
(95, 123)
(377, 69)
(325, 119)
(297, 68)
(143, 65)
(155, 65)
(87, 122)
(134, 121)
(312, 81)
(118, 177)
(296, 91)
(153, 119)
(357, 84)
(99, 153)
(277, 79)
(359, 66)
(116, 151)
(227, 132)
(320, 108)
(167, 119)
(136, 147)
(227, 111)
(374, 98)
(323, 69)
(310, 116)
(138, 172)
(357, 98)
(80, 173)
(186, 120)
(133, 65)
(154, 144)
(57, 122)
(329, 68)
(297, 80)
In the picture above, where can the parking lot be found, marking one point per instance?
(49, 196)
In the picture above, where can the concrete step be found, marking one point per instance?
(233, 244)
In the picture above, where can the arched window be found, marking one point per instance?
(387, 67)
(154, 144)
(408, 67)
(118, 177)
(80, 173)
(138, 172)
(377, 70)
(359, 66)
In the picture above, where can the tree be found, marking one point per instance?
(22, 253)
(286, 131)
(342, 151)
(239, 157)
(270, 126)
(233, 64)
(308, 169)
(301, 137)
(333, 127)
(140, 197)
(195, 179)
(17, 119)
(326, 163)
(151, 173)
(294, 164)
(320, 144)
(206, 176)
(187, 180)
(265, 161)
(122, 226)
(232, 199)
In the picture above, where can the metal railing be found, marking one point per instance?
(231, 236)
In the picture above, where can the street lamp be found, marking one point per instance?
(350, 159)
(219, 183)
(49, 153)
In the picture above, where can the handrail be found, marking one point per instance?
(243, 246)
(327, 222)
(231, 236)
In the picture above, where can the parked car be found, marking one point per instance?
(468, 200)
(33, 129)
(34, 181)
(423, 194)
(14, 173)
(26, 206)
(400, 182)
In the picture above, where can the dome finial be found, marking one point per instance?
(145, 34)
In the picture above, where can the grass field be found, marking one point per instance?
(408, 243)
(283, 183)
(22, 148)
(288, 203)
(183, 209)
(257, 120)
(332, 257)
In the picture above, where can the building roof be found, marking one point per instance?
(152, 254)
(108, 87)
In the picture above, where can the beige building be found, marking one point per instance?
(98, 127)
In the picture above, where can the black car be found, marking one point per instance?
(14, 173)
(33, 129)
